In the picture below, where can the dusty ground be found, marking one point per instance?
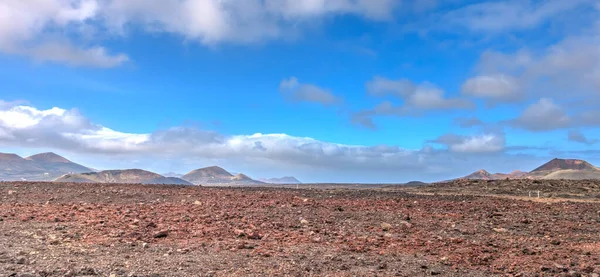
(49, 229)
(548, 189)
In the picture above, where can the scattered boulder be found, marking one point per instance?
(161, 234)
(386, 226)
(405, 225)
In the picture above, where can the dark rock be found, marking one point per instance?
(161, 234)
(255, 235)
(88, 271)
(21, 260)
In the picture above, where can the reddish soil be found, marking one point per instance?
(51, 229)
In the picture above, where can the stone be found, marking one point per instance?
(161, 234)
(386, 226)
(21, 260)
(255, 235)
(405, 225)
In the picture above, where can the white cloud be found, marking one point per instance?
(295, 91)
(374, 9)
(41, 28)
(215, 21)
(578, 136)
(514, 15)
(182, 149)
(468, 122)
(562, 78)
(429, 97)
(485, 143)
(69, 130)
(424, 96)
(26, 28)
(492, 142)
(381, 86)
(494, 88)
(74, 56)
(565, 69)
(417, 99)
(544, 115)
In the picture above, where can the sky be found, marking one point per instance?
(379, 91)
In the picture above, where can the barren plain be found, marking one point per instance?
(463, 228)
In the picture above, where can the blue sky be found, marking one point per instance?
(331, 91)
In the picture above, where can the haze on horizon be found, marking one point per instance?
(325, 91)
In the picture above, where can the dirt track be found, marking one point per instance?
(49, 229)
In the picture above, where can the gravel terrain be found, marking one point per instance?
(66, 229)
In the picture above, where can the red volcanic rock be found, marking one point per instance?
(161, 234)
(48, 158)
(145, 230)
(562, 164)
(480, 174)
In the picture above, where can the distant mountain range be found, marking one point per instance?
(555, 169)
(52, 167)
(40, 167)
(282, 180)
(216, 175)
(172, 174)
(122, 176)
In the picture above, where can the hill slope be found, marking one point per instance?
(207, 175)
(57, 165)
(571, 174)
(564, 164)
(122, 176)
(571, 169)
(480, 175)
(216, 175)
(282, 180)
(43, 167)
(12, 164)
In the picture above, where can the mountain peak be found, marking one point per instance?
(211, 174)
(240, 177)
(563, 164)
(48, 157)
(121, 176)
(210, 171)
(479, 174)
(282, 180)
(10, 157)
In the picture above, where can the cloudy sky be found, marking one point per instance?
(324, 90)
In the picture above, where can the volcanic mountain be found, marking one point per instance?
(282, 180)
(44, 167)
(127, 176)
(55, 163)
(216, 175)
(554, 169)
(172, 174)
(479, 175)
(566, 169)
(565, 164)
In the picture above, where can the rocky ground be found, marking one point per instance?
(51, 229)
(548, 189)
